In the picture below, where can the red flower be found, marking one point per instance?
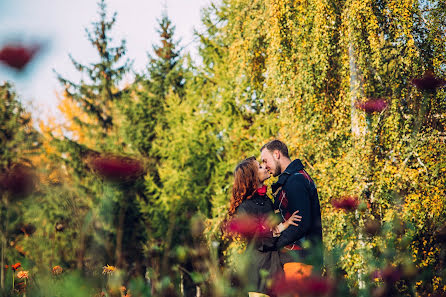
(17, 56)
(428, 82)
(308, 286)
(247, 226)
(372, 105)
(347, 203)
(116, 168)
(16, 266)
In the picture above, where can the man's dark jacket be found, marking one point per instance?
(295, 190)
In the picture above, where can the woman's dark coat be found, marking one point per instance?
(260, 206)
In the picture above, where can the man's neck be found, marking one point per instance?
(284, 164)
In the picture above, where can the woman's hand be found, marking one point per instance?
(292, 220)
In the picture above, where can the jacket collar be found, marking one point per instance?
(294, 167)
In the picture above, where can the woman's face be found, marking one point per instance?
(263, 173)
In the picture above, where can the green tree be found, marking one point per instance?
(19, 143)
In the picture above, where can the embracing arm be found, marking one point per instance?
(298, 199)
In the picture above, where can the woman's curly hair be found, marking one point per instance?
(246, 181)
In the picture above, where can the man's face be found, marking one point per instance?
(271, 161)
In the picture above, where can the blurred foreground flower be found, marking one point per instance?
(347, 203)
(428, 82)
(108, 269)
(314, 286)
(22, 274)
(17, 56)
(116, 168)
(372, 105)
(16, 266)
(59, 227)
(57, 270)
(18, 180)
(247, 226)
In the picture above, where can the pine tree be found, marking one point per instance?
(113, 230)
(96, 95)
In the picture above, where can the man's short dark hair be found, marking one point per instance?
(276, 145)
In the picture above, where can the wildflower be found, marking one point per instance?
(347, 203)
(22, 274)
(17, 56)
(116, 168)
(308, 286)
(57, 270)
(372, 105)
(59, 227)
(6, 266)
(247, 226)
(108, 269)
(428, 82)
(16, 266)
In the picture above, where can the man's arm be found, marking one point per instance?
(298, 199)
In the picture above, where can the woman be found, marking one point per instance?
(249, 198)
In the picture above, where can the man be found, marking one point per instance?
(295, 190)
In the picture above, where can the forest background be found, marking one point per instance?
(138, 177)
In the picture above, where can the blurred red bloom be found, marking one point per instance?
(428, 82)
(17, 56)
(16, 266)
(372, 105)
(308, 286)
(116, 168)
(18, 180)
(347, 203)
(247, 226)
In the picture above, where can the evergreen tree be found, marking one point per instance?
(144, 108)
(96, 95)
(113, 230)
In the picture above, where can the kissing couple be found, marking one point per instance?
(291, 249)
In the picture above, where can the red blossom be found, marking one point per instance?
(247, 226)
(428, 82)
(16, 266)
(372, 105)
(17, 56)
(347, 203)
(116, 168)
(309, 286)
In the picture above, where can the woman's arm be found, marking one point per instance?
(283, 226)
